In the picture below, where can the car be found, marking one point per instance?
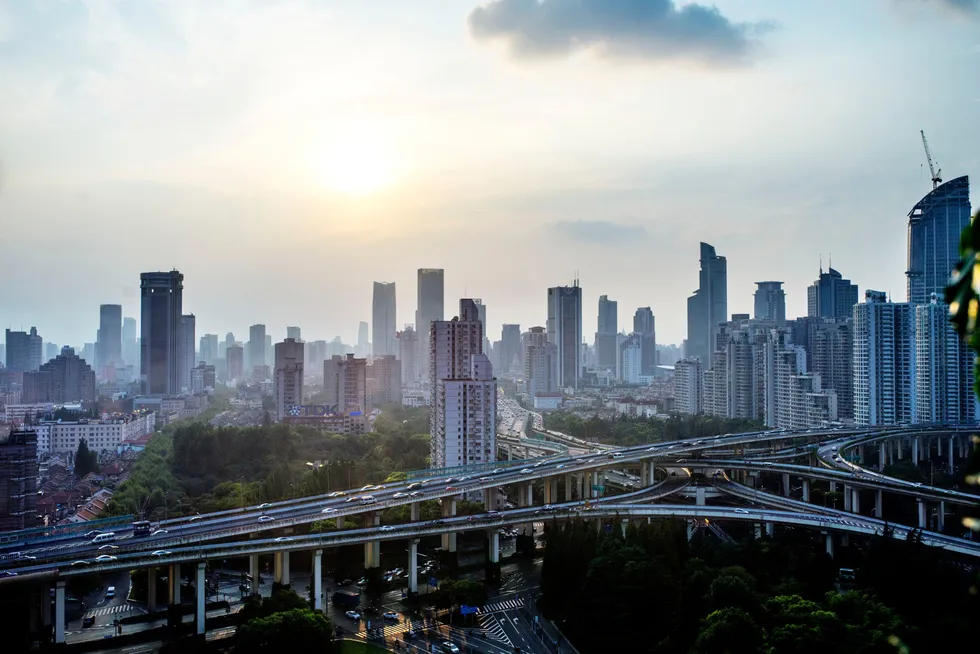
(369, 487)
(436, 523)
(526, 471)
(767, 463)
(652, 449)
(329, 509)
(590, 460)
(88, 621)
(539, 464)
(398, 496)
(414, 486)
(266, 518)
(352, 498)
(347, 582)
(741, 511)
(108, 548)
(449, 648)
(451, 488)
(159, 532)
(391, 615)
(451, 480)
(415, 494)
(337, 494)
(80, 563)
(368, 499)
(917, 484)
(492, 514)
(560, 466)
(386, 528)
(284, 539)
(484, 479)
(195, 518)
(353, 615)
(362, 581)
(92, 534)
(616, 455)
(466, 478)
(7, 573)
(264, 505)
(110, 592)
(161, 553)
(105, 558)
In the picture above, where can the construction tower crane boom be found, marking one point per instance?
(936, 174)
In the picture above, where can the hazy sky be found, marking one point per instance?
(284, 155)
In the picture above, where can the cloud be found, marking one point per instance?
(970, 7)
(598, 231)
(650, 30)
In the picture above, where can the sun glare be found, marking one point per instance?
(358, 164)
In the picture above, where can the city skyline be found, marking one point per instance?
(614, 180)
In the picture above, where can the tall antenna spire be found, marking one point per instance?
(830, 264)
(821, 263)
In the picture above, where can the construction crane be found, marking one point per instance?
(936, 174)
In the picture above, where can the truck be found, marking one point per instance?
(347, 599)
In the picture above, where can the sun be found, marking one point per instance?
(358, 164)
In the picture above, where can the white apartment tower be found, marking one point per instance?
(943, 368)
(884, 361)
(290, 355)
(345, 383)
(540, 364)
(629, 359)
(687, 386)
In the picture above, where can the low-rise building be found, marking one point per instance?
(100, 435)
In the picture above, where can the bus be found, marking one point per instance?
(142, 528)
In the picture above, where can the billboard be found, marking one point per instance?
(317, 411)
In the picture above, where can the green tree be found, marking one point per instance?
(86, 460)
(730, 631)
(295, 630)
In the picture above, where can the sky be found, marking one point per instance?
(285, 155)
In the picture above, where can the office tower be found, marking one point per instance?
(130, 344)
(935, 225)
(565, 331)
(110, 337)
(464, 391)
(383, 340)
(540, 364)
(294, 333)
(290, 356)
(66, 378)
(510, 349)
(408, 352)
(209, 349)
(384, 380)
(161, 304)
(24, 350)
(18, 480)
(884, 361)
(645, 325)
(829, 344)
(430, 307)
(831, 296)
(256, 346)
(235, 357)
(51, 350)
(688, 375)
(270, 353)
(629, 359)
(770, 302)
(225, 344)
(345, 384)
(943, 368)
(187, 341)
(363, 347)
(708, 306)
(606, 330)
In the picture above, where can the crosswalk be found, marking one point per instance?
(491, 625)
(392, 629)
(506, 605)
(109, 610)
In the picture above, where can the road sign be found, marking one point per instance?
(466, 610)
(598, 488)
(433, 581)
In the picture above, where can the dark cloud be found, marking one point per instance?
(598, 231)
(631, 29)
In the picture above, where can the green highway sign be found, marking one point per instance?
(598, 488)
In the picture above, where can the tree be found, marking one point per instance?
(730, 631)
(295, 630)
(86, 460)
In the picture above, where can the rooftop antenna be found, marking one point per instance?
(830, 261)
(821, 263)
(933, 171)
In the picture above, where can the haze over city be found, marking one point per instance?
(284, 156)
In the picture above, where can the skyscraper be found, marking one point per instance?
(345, 383)
(831, 296)
(18, 480)
(161, 304)
(290, 356)
(943, 368)
(110, 336)
(429, 307)
(688, 377)
(383, 330)
(235, 356)
(363, 347)
(384, 380)
(540, 364)
(66, 378)
(256, 346)
(209, 348)
(884, 361)
(770, 302)
(24, 350)
(187, 338)
(565, 331)
(293, 333)
(510, 348)
(408, 352)
(935, 225)
(708, 306)
(607, 326)
(645, 325)
(130, 344)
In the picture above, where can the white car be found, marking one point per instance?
(398, 496)
(390, 615)
(264, 505)
(386, 528)
(560, 466)
(526, 471)
(161, 553)
(449, 648)
(159, 532)
(329, 509)
(353, 615)
(741, 511)
(266, 518)
(108, 548)
(415, 494)
(104, 558)
(337, 494)
(284, 539)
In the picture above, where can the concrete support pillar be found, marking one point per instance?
(700, 494)
(941, 516)
(494, 549)
(318, 580)
(624, 525)
(882, 456)
(449, 539)
(770, 529)
(922, 514)
(830, 545)
(915, 450)
(594, 478)
(59, 612)
(580, 479)
(856, 500)
(34, 612)
(643, 473)
(892, 446)
(548, 497)
(939, 447)
(568, 488)
(951, 448)
(151, 590)
(690, 529)
(861, 455)
(415, 511)
(282, 568)
(758, 531)
(521, 496)
(340, 522)
(833, 487)
(199, 589)
(530, 493)
(652, 471)
(413, 565)
(46, 606)
(879, 504)
(786, 484)
(806, 490)
(173, 584)
(847, 497)
(899, 444)
(253, 570)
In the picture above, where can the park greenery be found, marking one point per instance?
(625, 431)
(282, 622)
(608, 591)
(196, 467)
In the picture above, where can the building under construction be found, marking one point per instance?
(18, 480)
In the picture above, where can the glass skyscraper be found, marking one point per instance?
(935, 225)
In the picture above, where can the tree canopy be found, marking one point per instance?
(628, 430)
(86, 460)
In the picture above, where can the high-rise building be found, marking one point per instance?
(256, 346)
(209, 349)
(452, 342)
(829, 344)
(66, 378)
(688, 377)
(187, 341)
(363, 347)
(794, 398)
(708, 307)
(294, 333)
(645, 325)
(24, 350)
(51, 350)
(202, 378)
(384, 383)
(383, 320)
(430, 307)
(884, 361)
(629, 359)
(345, 383)
(290, 356)
(130, 344)
(235, 358)
(510, 349)
(831, 296)
(565, 331)
(943, 368)
(18, 480)
(161, 305)
(110, 337)
(408, 353)
(270, 353)
(481, 309)
(606, 329)
(540, 364)
(935, 225)
(770, 302)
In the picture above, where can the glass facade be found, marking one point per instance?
(935, 225)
